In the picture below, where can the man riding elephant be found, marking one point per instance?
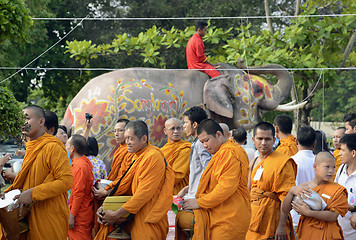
(196, 58)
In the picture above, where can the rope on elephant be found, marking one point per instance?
(188, 18)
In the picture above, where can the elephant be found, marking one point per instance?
(154, 95)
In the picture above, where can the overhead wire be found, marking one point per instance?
(43, 53)
(188, 18)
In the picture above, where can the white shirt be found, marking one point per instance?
(349, 182)
(250, 152)
(199, 159)
(305, 173)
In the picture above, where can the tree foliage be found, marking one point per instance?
(15, 20)
(11, 115)
(305, 42)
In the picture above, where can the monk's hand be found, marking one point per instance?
(71, 221)
(99, 213)
(302, 192)
(100, 193)
(2, 196)
(109, 218)
(183, 192)
(302, 209)
(281, 232)
(191, 203)
(353, 221)
(25, 199)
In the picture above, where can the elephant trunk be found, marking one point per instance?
(281, 89)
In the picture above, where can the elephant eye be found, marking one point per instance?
(257, 91)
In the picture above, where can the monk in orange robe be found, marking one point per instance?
(314, 224)
(196, 58)
(283, 127)
(150, 180)
(118, 166)
(81, 198)
(121, 151)
(177, 153)
(222, 204)
(338, 134)
(45, 178)
(273, 174)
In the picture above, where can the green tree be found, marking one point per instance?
(305, 42)
(11, 116)
(15, 20)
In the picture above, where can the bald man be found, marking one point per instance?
(317, 224)
(225, 128)
(338, 134)
(45, 178)
(177, 153)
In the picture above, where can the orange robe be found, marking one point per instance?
(46, 169)
(279, 172)
(288, 146)
(119, 155)
(150, 181)
(118, 167)
(335, 196)
(177, 155)
(81, 199)
(338, 161)
(223, 196)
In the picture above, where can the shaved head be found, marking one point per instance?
(324, 156)
(225, 128)
(173, 129)
(37, 110)
(171, 121)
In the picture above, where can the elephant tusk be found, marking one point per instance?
(288, 104)
(288, 108)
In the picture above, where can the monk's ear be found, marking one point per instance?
(165, 131)
(219, 134)
(144, 138)
(42, 121)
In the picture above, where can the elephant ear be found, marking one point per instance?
(217, 97)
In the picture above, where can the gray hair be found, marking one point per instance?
(139, 128)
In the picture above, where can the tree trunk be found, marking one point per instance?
(268, 19)
(297, 7)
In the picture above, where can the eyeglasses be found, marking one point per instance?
(175, 128)
(119, 130)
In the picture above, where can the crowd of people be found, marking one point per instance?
(224, 191)
(221, 188)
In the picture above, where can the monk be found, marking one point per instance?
(121, 161)
(81, 198)
(226, 130)
(44, 179)
(222, 204)
(196, 58)
(350, 123)
(283, 127)
(150, 180)
(338, 134)
(177, 153)
(315, 224)
(273, 174)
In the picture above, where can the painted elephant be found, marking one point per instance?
(154, 95)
